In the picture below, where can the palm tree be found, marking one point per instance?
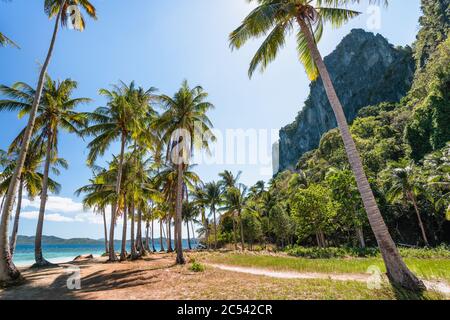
(120, 120)
(183, 121)
(228, 179)
(404, 186)
(235, 202)
(58, 8)
(55, 112)
(99, 193)
(278, 18)
(189, 213)
(200, 200)
(213, 198)
(4, 41)
(30, 181)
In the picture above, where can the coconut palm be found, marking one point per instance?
(213, 199)
(200, 200)
(276, 19)
(55, 112)
(58, 9)
(228, 179)
(184, 121)
(405, 186)
(120, 120)
(30, 181)
(189, 214)
(235, 202)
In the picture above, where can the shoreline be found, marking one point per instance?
(60, 260)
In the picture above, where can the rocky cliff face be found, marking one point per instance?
(365, 70)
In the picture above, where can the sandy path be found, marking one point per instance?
(438, 286)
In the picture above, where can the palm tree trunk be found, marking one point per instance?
(242, 231)
(153, 236)
(112, 249)
(123, 251)
(140, 244)
(178, 216)
(132, 242)
(422, 228)
(16, 219)
(147, 240)
(40, 261)
(193, 235)
(360, 236)
(8, 271)
(112, 254)
(215, 228)
(161, 242)
(234, 233)
(188, 235)
(105, 229)
(397, 271)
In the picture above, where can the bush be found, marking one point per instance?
(441, 252)
(197, 267)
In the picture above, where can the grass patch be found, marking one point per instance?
(425, 268)
(197, 267)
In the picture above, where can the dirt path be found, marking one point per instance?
(438, 286)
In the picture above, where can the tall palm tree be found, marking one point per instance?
(120, 120)
(235, 200)
(55, 112)
(277, 19)
(404, 186)
(30, 181)
(213, 198)
(184, 121)
(228, 179)
(58, 8)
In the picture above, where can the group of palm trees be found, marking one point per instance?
(275, 19)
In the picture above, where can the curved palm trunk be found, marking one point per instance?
(115, 213)
(397, 271)
(105, 229)
(8, 271)
(39, 258)
(178, 216)
(161, 242)
(123, 251)
(16, 219)
(422, 228)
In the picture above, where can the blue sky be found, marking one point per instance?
(160, 43)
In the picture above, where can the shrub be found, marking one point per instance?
(197, 267)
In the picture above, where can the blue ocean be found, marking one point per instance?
(58, 253)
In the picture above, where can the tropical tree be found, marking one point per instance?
(213, 199)
(404, 185)
(30, 181)
(185, 126)
(55, 112)
(235, 202)
(199, 198)
(120, 119)
(58, 8)
(189, 214)
(276, 19)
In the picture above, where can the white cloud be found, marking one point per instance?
(54, 217)
(60, 204)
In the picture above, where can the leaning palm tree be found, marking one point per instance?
(405, 186)
(276, 19)
(213, 198)
(55, 112)
(185, 125)
(58, 9)
(30, 181)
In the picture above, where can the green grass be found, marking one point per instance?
(425, 268)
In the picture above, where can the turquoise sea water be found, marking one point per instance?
(58, 253)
